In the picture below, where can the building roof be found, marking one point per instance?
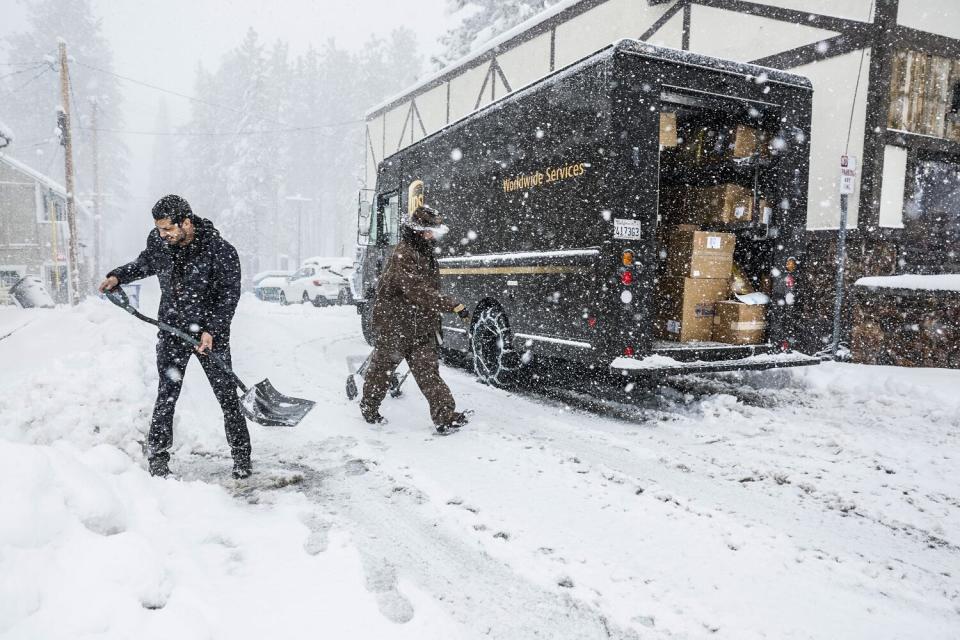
(43, 179)
(478, 52)
(492, 46)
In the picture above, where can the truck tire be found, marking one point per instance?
(495, 361)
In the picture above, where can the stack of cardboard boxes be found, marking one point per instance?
(694, 291)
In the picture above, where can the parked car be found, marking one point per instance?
(321, 283)
(267, 285)
(30, 293)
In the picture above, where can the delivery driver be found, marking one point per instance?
(406, 322)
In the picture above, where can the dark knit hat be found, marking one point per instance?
(426, 218)
(174, 207)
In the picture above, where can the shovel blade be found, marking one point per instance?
(263, 404)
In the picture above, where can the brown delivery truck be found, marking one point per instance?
(598, 215)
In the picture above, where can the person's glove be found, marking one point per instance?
(462, 311)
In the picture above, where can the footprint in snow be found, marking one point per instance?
(382, 582)
(318, 539)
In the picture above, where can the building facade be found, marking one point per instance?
(886, 77)
(34, 235)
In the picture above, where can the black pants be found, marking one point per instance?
(172, 357)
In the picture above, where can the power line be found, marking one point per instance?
(176, 93)
(31, 80)
(329, 125)
(16, 73)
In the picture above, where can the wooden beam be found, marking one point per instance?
(661, 21)
(878, 106)
(816, 51)
(793, 16)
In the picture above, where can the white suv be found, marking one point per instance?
(314, 283)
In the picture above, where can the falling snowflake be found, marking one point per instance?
(456, 155)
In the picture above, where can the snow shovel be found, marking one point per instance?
(261, 403)
(396, 382)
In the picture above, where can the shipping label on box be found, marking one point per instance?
(721, 204)
(699, 254)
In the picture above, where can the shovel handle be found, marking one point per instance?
(119, 297)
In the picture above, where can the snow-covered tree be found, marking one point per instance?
(476, 21)
(266, 127)
(29, 99)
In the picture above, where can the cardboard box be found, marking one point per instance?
(722, 204)
(745, 142)
(708, 144)
(686, 307)
(764, 211)
(699, 254)
(738, 323)
(668, 129)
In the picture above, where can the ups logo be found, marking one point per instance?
(414, 196)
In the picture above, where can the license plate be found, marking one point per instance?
(626, 229)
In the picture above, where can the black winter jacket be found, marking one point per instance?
(199, 283)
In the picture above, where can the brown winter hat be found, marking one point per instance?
(426, 218)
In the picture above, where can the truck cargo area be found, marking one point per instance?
(716, 230)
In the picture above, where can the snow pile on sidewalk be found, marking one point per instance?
(90, 544)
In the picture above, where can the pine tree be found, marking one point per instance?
(481, 20)
(30, 99)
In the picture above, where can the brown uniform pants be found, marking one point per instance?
(421, 355)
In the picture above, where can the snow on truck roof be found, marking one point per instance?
(626, 44)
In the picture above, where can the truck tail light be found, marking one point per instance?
(626, 277)
(785, 345)
(628, 352)
(627, 258)
(790, 281)
(791, 264)
(316, 283)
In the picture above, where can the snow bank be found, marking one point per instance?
(940, 282)
(91, 545)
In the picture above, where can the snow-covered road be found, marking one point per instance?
(813, 503)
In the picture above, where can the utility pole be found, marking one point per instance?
(63, 118)
(96, 187)
(299, 199)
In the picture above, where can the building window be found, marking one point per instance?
(54, 208)
(932, 218)
(925, 95)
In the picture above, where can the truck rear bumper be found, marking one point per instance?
(658, 365)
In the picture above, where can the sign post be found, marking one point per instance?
(848, 180)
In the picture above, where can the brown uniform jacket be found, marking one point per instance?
(409, 302)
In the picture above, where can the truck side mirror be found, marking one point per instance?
(364, 209)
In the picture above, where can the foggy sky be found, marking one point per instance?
(161, 42)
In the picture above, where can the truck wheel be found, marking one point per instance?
(366, 321)
(283, 298)
(495, 361)
(306, 298)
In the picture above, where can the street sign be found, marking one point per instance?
(848, 174)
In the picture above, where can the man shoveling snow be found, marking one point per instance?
(199, 275)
